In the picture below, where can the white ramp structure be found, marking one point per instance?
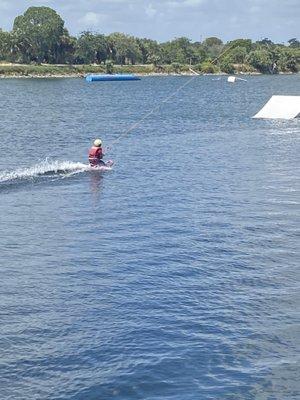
(283, 107)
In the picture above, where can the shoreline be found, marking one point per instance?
(151, 74)
(56, 71)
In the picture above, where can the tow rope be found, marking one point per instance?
(146, 115)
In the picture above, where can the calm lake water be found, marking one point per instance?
(173, 276)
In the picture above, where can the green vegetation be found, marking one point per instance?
(39, 44)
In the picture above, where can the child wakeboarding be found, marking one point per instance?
(96, 154)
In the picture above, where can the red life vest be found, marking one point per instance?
(95, 153)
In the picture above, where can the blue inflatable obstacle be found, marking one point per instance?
(115, 77)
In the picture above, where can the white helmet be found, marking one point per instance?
(98, 143)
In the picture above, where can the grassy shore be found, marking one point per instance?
(47, 70)
(8, 70)
(23, 70)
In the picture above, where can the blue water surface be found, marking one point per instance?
(172, 276)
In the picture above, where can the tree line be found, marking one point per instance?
(39, 36)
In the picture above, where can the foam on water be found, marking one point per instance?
(47, 168)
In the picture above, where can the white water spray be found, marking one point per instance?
(46, 168)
